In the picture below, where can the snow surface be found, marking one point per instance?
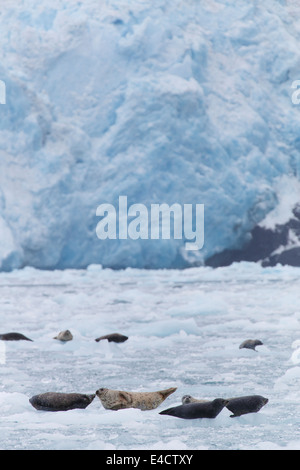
(184, 328)
(163, 102)
(288, 193)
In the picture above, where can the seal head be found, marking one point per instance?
(189, 399)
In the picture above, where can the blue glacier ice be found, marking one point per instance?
(163, 102)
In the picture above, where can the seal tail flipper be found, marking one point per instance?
(167, 392)
(169, 411)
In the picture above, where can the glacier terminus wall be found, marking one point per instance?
(186, 102)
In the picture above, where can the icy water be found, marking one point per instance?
(184, 330)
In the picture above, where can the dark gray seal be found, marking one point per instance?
(13, 336)
(247, 404)
(54, 401)
(113, 337)
(250, 344)
(209, 409)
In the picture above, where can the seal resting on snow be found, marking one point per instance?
(54, 401)
(209, 409)
(247, 404)
(113, 337)
(250, 344)
(118, 399)
(65, 335)
(13, 336)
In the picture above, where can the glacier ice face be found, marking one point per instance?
(164, 103)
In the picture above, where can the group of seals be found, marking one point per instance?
(191, 408)
(110, 399)
(64, 336)
(237, 405)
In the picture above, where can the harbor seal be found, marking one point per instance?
(118, 399)
(113, 337)
(13, 336)
(54, 401)
(189, 399)
(209, 409)
(250, 344)
(63, 336)
(247, 404)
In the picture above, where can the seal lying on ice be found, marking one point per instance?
(247, 404)
(118, 399)
(54, 401)
(63, 336)
(113, 337)
(250, 344)
(209, 409)
(13, 336)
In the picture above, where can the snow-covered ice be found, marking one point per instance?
(184, 328)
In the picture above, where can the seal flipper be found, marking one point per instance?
(167, 392)
(169, 411)
(125, 397)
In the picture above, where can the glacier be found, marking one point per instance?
(163, 102)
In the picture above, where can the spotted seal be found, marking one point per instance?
(118, 399)
(63, 336)
(209, 409)
(55, 401)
